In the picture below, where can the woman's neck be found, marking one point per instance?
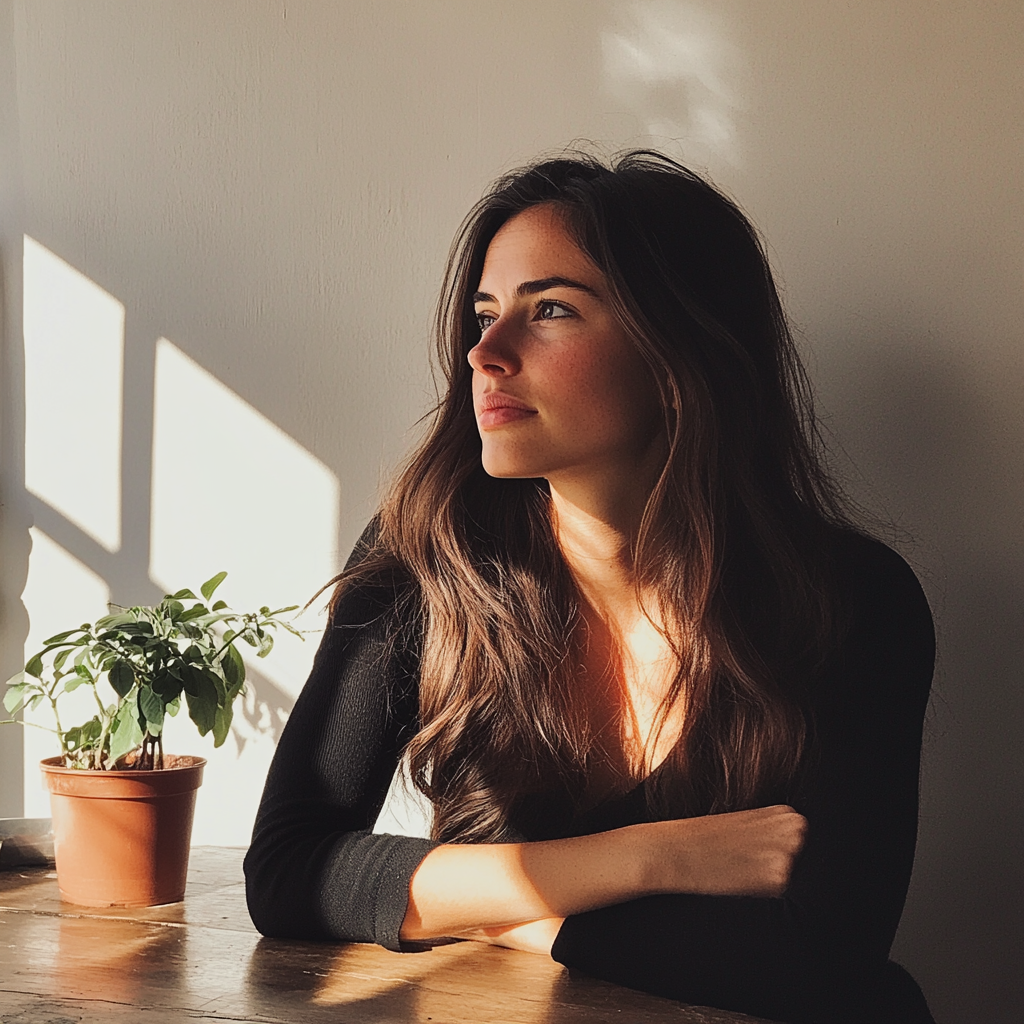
(597, 545)
(596, 514)
(628, 667)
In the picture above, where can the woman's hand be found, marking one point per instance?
(530, 937)
(743, 853)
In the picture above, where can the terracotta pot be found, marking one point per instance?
(121, 838)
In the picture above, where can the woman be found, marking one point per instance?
(666, 703)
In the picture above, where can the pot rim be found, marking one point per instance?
(53, 766)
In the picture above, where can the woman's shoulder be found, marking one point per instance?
(870, 571)
(886, 617)
(372, 587)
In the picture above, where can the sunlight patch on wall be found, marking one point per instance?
(232, 491)
(406, 811)
(60, 593)
(74, 355)
(672, 64)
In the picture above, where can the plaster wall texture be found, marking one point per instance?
(267, 190)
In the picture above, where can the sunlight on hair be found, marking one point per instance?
(60, 593)
(672, 64)
(74, 355)
(232, 491)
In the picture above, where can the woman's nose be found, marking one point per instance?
(495, 353)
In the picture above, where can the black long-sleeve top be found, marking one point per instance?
(819, 953)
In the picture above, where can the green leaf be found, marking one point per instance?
(233, 666)
(122, 677)
(222, 724)
(16, 695)
(73, 683)
(173, 706)
(183, 595)
(202, 710)
(266, 645)
(212, 584)
(173, 609)
(195, 612)
(83, 737)
(151, 707)
(34, 666)
(219, 605)
(195, 683)
(115, 621)
(34, 702)
(203, 699)
(125, 733)
(281, 611)
(60, 637)
(168, 683)
(62, 656)
(218, 684)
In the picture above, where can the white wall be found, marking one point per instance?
(271, 188)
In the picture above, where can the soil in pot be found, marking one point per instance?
(121, 838)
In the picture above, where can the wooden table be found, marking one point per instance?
(203, 960)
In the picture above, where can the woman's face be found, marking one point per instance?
(559, 390)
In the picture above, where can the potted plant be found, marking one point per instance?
(122, 808)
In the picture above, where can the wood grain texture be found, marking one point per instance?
(203, 960)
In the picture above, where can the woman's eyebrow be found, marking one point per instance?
(541, 285)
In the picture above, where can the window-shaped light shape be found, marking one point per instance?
(74, 357)
(232, 491)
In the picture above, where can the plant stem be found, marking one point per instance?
(21, 721)
(97, 754)
(51, 697)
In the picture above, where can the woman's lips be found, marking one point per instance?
(497, 409)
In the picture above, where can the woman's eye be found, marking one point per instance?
(485, 320)
(548, 310)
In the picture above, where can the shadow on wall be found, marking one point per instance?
(143, 473)
(919, 423)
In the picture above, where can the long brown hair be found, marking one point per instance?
(734, 542)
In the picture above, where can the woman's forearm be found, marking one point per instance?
(459, 888)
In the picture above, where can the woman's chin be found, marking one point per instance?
(511, 469)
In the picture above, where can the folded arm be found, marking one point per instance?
(460, 889)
